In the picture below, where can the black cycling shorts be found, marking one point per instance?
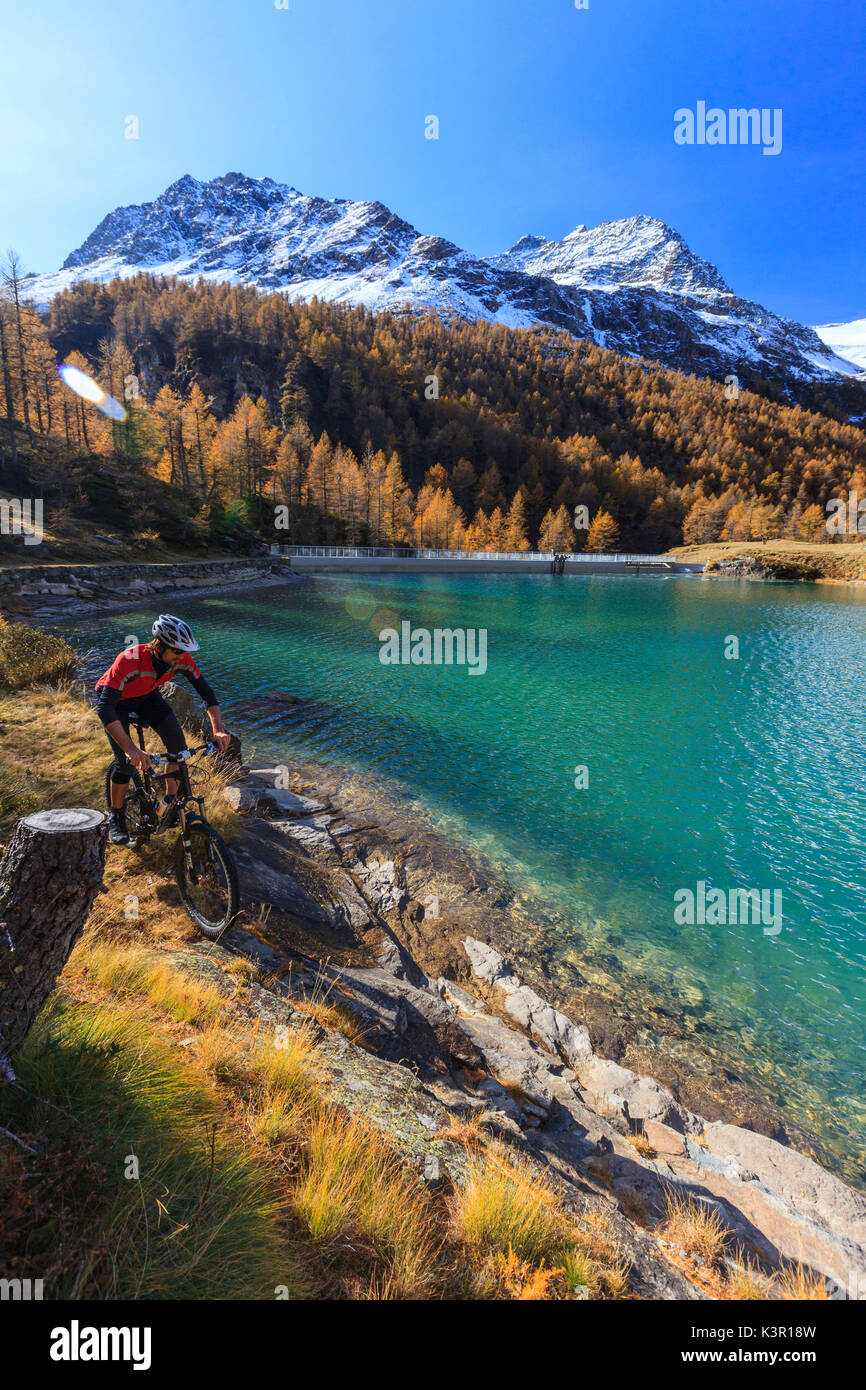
(154, 713)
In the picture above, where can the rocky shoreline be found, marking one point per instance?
(63, 593)
(780, 569)
(629, 1020)
(357, 899)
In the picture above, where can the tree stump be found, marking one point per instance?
(49, 876)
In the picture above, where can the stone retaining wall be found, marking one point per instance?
(57, 591)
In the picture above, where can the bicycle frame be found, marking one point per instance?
(183, 797)
(203, 865)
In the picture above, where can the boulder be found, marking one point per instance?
(188, 707)
(664, 1139)
(500, 1101)
(257, 796)
(550, 1027)
(465, 1003)
(308, 832)
(193, 715)
(269, 883)
(487, 963)
(635, 1097)
(514, 1061)
(402, 1022)
(394, 960)
(381, 884)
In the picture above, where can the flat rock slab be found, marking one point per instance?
(258, 797)
(310, 832)
(760, 1220)
(816, 1196)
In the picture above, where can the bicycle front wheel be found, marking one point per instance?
(207, 879)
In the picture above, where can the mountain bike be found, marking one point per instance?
(203, 864)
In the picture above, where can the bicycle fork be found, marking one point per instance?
(187, 844)
(186, 823)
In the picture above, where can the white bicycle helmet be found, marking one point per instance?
(174, 632)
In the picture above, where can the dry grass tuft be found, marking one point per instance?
(246, 971)
(614, 1278)
(524, 1282)
(128, 970)
(507, 1211)
(354, 1188)
(464, 1129)
(331, 1015)
(285, 1095)
(580, 1272)
(223, 1054)
(746, 1282)
(504, 1206)
(697, 1228)
(797, 1284)
(643, 1146)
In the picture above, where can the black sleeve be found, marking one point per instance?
(106, 704)
(202, 688)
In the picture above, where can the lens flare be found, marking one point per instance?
(91, 391)
(360, 605)
(382, 618)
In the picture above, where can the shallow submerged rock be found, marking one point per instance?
(381, 884)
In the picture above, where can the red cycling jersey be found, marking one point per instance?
(134, 675)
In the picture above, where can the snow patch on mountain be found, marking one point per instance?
(847, 340)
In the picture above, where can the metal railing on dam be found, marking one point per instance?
(537, 557)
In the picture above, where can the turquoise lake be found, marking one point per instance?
(738, 773)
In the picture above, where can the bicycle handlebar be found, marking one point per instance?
(184, 756)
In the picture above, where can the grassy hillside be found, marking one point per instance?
(103, 508)
(784, 559)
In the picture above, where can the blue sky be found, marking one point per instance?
(549, 116)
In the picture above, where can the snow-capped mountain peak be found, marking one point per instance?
(637, 250)
(632, 284)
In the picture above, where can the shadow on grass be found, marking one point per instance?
(103, 1102)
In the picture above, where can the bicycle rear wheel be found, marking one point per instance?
(207, 879)
(136, 809)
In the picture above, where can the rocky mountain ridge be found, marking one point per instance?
(631, 285)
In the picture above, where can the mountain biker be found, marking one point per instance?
(130, 686)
